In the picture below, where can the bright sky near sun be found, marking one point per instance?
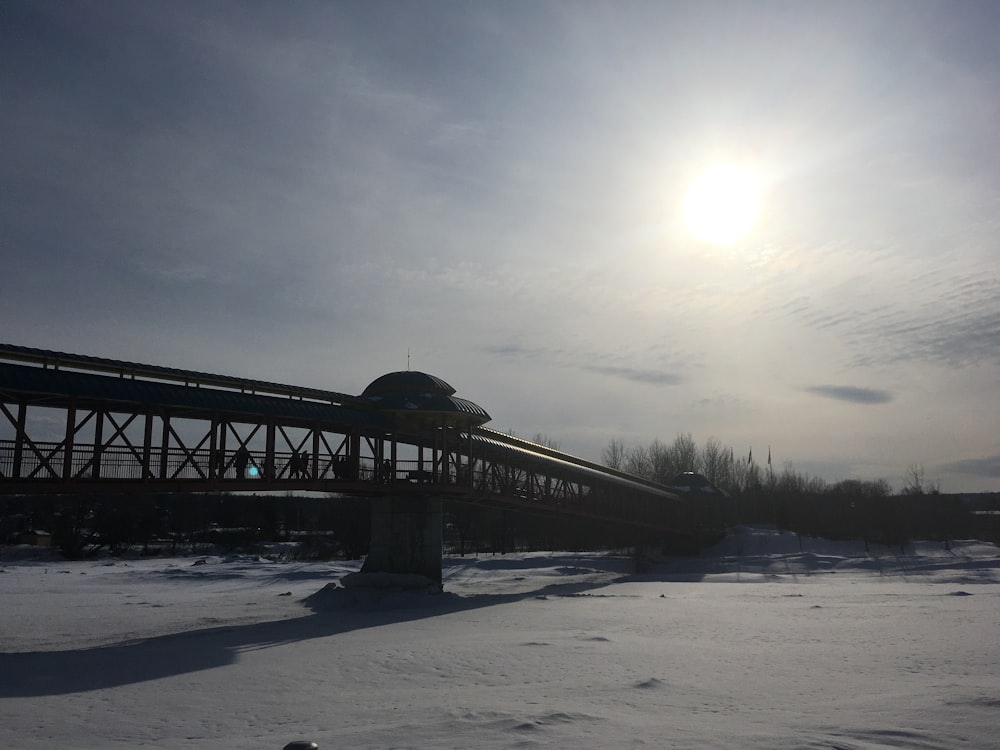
(721, 203)
(772, 223)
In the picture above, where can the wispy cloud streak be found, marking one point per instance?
(651, 377)
(988, 466)
(851, 393)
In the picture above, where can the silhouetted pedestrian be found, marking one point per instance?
(242, 461)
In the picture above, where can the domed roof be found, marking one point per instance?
(419, 398)
(409, 381)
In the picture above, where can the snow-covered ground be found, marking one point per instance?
(763, 642)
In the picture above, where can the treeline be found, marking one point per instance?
(320, 527)
(181, 523)
(850, 512)
(794, 501)
(474, 529)
(736, 474)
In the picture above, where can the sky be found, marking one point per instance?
(317, 193)
(765, 642)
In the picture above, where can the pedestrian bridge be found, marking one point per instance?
(80, 424)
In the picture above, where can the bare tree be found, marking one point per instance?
(714, 461)
(684, 454)
(638, 463)
(662, 466)
(613, 454)
(542, 439)
(880, 488)
(914, 482)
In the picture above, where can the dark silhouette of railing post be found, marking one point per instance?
(147, 447)
(95, 461)
(314, 472)
(22, 436)
(269, 455)
(213, 449)
(69, 442)
(164, 445)
(354, 460)
(223, 461)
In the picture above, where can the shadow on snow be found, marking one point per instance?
(334, 611)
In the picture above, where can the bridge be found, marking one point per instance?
(80, 424)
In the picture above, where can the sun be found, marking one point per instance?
(722, 203)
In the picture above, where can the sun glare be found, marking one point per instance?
(722, 203)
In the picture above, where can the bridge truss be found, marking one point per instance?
(77, 424)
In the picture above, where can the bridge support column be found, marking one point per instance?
(406, 537)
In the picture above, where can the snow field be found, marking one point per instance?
(756, 644)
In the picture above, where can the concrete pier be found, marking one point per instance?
(406, 538)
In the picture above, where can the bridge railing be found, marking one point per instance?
(41, 460)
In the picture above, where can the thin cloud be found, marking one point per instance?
(956, 325)
(514, 351)
(562, 358)
(950, 319)
(988, 466)
(851, 393)
(653, 377)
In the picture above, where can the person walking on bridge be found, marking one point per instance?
(294, 465)
(242, 461)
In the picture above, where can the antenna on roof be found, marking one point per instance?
(407, 359)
